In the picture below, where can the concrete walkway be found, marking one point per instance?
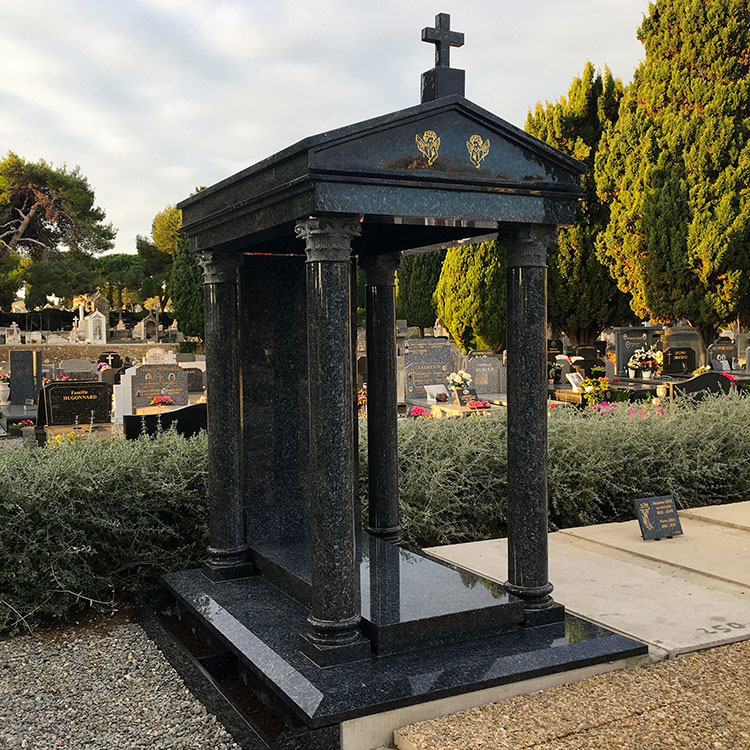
(678, 595)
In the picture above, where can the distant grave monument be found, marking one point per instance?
(325, 620)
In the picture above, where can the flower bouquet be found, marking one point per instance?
(595, 390)
(460, 379)
(161, 401)
(478, 404)
(646, 361)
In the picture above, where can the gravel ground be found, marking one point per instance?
(697, 702)
(101, 686)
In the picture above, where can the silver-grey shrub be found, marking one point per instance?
(95, 520)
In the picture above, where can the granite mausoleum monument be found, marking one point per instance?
(325, 618)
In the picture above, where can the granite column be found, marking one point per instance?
(333, 633)
(227, 551)
(528, 571)
(382, 416)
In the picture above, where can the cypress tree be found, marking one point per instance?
(676, 167)
(582, 298)
(186, 290)
(470, 296)
(416, 280)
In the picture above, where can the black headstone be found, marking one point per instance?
(554, 348)
(113, 359)
(25, 376)
(587, 351)
(465, 395)
(658, 517)
(194, 379)
(679, 360)
(77, 402)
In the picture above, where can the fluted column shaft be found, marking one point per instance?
(528, 570)
(333, 625)
(382, 415)
(227, 551)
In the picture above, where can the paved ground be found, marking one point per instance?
(680, 596)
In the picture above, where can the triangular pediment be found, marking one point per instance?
(448, 138)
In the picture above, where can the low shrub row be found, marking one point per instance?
(85, 523)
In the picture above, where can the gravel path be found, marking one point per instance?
(696, 702)
(98, 687)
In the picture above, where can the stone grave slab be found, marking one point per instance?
(188, 421)
(487, 374)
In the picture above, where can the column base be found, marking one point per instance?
(331, 642)
(392, 534)
(534, 597)
(227, 565)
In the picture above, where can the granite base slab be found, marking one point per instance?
(258, 627)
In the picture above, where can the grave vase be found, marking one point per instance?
(647, 374)
(632, 374)
(4, 393)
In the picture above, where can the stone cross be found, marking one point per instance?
(443, 39)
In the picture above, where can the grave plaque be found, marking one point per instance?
(587, 351)
(465, 395)
(679, 360)
(426, 362)
(554, 348)
(658, 517)
(149, 381)
(77, 402)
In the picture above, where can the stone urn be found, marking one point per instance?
(4, 393)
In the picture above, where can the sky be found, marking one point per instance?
(151, 98)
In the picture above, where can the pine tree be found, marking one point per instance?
(417, 278)
(582, 298)
(676, 167)
(470, 296)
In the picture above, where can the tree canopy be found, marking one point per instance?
(470, 295)
(675, 169)
(416, 280)
(582, 298)
(43, 208)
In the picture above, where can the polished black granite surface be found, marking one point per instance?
(261, 626)
(407, 599)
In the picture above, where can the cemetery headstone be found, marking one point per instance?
(194, 379)
(463, 396)
(149, 381)
(485, 371)
(25, 377)
(13, 334)
(627, 340)
(77, 369)
(436, 393)
(722, 351)
(701, 385)
(185, 357)
(657, 517)
(679, 360)
(683, 336)
(77, 402)
(95, 328)
(554, 348)
(587, 351)
(426, 362)
(156, 356)
(601, 348)
(113, 359)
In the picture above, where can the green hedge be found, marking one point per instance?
(94, 521)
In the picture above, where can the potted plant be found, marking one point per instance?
(645, 362)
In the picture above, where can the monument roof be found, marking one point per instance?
(445, 169)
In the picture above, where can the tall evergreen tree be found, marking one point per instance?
(582, 298)
(186, 290)
(470, 296)
(417, 278)
(676, 167)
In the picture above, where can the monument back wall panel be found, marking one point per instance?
(273, 353)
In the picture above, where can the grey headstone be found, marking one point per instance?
(485, 373)
(150, 381)
(194, 379)
(77, 369)
(426, 362)
(723, 351)
(185, 357)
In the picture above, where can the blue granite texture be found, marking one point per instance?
(260, 625)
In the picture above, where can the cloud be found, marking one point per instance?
(154, 97)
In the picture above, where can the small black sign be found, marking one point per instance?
(658, 517)
(464, 395)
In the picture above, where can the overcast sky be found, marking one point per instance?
(154, 97)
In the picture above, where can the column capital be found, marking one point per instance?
(527, 245)
(380, 270)
(328, 239)
(218, 267)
